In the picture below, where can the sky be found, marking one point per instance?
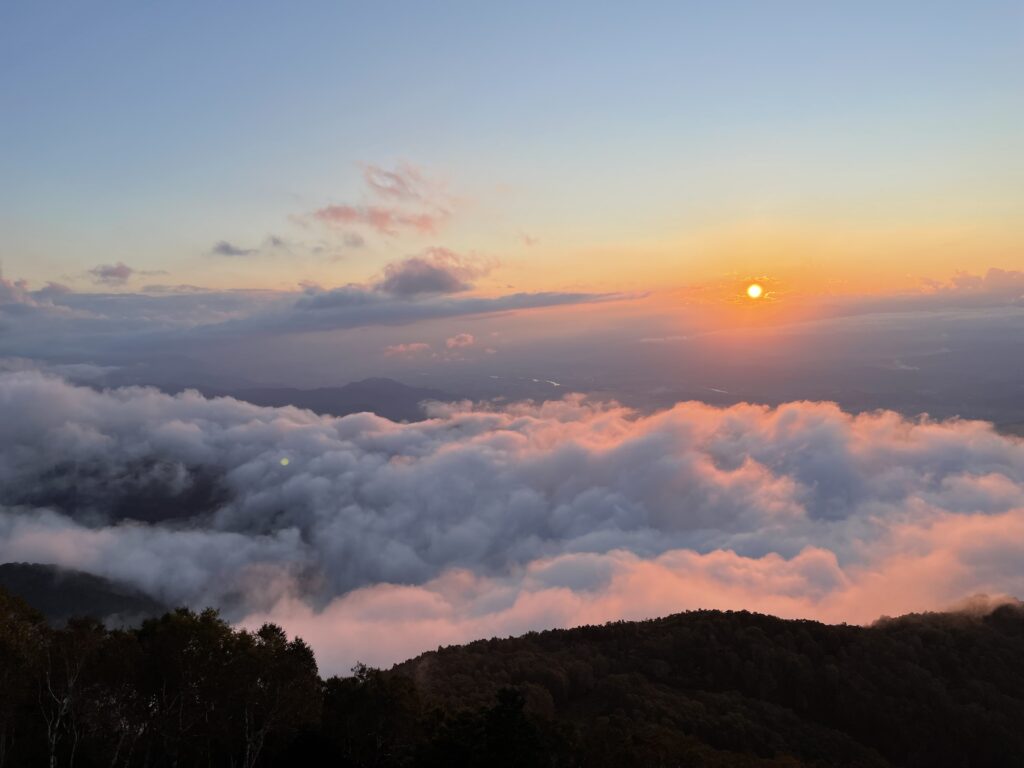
(550, 215)
(838, 146)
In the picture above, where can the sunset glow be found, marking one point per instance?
(404, 325)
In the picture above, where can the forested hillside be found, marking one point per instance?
(60, 593)
(696, 689)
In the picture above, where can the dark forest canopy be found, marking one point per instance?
(703, 688)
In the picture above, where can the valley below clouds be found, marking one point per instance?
(377, 540)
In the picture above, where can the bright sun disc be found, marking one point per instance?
(755, 291)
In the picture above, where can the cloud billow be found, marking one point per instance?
(417, 276)
(486, 521)
(434, 271)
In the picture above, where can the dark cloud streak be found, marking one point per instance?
(112, 274)
(224, 248)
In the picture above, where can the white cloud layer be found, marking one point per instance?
(379, 540)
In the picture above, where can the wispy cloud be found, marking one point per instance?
(404, 183)
(382, 219)
(224, 248)
(407, 350)
(992, 286)
(459, 340)
(270, 244)
(112, 274)
(356, 307)
(406, 202)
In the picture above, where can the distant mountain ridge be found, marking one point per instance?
(385, 397)
(61, 593)
(745, 689)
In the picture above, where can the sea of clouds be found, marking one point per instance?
(378, 540)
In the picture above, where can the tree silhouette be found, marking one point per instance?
(704, 688)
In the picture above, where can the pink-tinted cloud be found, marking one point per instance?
(459, 340)
(924, 569)
(408, 203)
(380, 539)
(996, 284)
(382, 219)
(15, 292)
(407, 350)
(18, 299)
(405, 183)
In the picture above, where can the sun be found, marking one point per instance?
(755, 291)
